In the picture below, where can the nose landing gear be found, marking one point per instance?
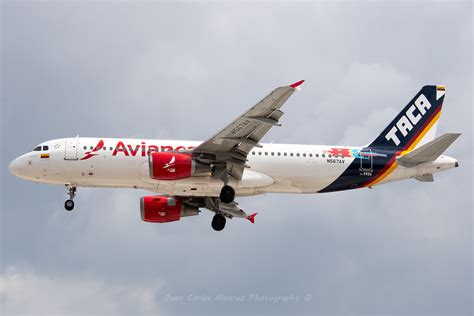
(69, 204)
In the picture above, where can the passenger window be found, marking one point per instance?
(311, 155)
(85, 147)
(298, 154)
(260, 153)
(105, 148)
(91, 147)
(322, 155)
(253, 153)
(273, 154)
(284, 154)
(111, 148)
(304, 155)
(316, 155)
(329, 155)
(278, 154)
(266, 153)
(291, 154)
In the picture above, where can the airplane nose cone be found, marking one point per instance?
(15, 167)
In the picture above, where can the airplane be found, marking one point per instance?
(191, 175)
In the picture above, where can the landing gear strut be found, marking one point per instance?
(69, 204)
(218, 222)
(227, 194)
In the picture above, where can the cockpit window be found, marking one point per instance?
(37, 148)
(45, 148)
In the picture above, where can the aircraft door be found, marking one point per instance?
(71, 148)
(366, 162)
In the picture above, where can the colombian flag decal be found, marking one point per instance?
(44, 156)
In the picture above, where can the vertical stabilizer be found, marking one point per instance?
(416, 124)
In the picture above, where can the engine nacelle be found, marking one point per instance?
(174, 166)
(163, 209)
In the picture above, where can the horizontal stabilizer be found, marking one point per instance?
(425, 177)
(429, 151)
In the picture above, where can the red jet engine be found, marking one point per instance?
(174, 166)
(163, 209)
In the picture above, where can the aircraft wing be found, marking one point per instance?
(228, 149)
(228, 209)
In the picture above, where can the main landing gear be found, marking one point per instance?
(218, 222)
(69, 204)
(227, 194)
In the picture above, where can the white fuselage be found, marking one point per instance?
(274, 168)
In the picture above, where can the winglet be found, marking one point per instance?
(297, 84)
(251, 217)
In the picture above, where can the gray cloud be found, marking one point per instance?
(31, 293)
(184, 70)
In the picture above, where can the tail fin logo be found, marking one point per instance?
(93, 152)
(169, 165)
(411, 117)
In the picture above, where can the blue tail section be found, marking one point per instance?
(412, 127)
(413, 120)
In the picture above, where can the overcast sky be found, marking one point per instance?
(183, 71)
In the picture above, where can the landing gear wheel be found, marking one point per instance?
(69, 205)
(218, 222)
(227, 194)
